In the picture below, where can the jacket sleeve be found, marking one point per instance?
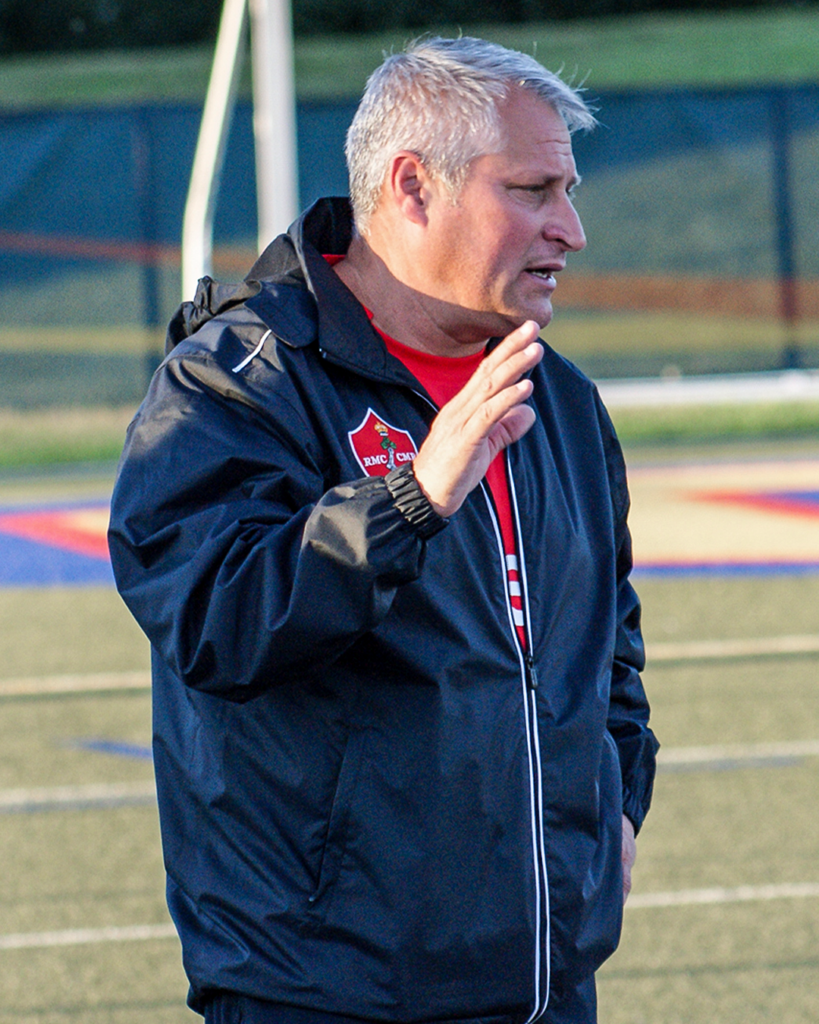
(241, 565)
(628, 707)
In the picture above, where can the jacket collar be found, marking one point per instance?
(322, 309)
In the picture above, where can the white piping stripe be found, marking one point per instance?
(740, 894)
(253, 354)
(517, 615)
(527, 623)
(83, 936)
(513, 500)
(536, 1011)
(514, 588)
(512, 563)
(533, 790)
(542, 999)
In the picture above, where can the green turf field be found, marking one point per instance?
(752, 824)
(718, 823)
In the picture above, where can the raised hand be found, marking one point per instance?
(485, 417)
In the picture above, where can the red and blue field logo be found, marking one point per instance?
(55, 544)
(755, 517)
(726, 518)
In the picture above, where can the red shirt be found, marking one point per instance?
(443, 377)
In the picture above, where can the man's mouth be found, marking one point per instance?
(543, 273)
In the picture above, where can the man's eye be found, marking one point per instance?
(536, 191)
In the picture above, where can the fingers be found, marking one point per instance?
(496, 387)
(512, 427)
(486, 416)
(626, 882)
(503, 368)
(628, 855)
(520, 339)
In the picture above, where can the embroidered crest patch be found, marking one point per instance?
(379, 446)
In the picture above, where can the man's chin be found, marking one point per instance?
(541, 314)
(499, 324)
(544, 315)
(532, 307)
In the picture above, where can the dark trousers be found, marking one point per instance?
(578, 1006)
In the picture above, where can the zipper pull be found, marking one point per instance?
(531, 671)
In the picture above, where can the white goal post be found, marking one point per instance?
(274, 130)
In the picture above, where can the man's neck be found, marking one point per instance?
(403, 312)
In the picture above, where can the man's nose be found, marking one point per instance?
(566, 227)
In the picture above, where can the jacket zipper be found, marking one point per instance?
(531, 671)
(529, 683)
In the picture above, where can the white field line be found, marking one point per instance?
(84, 936)
(93, 682)
(740, 894)
(657, 652)
(637, 901)
(696, 650)
(95, 794)
(732, 752)
(714, 389)
(107, 793)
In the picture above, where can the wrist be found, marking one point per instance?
(412, 503)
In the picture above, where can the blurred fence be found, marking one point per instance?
(701, 209)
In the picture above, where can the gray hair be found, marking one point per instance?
(439, 99)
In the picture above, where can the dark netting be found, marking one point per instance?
(700, 208)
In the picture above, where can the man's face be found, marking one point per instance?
(495, 253)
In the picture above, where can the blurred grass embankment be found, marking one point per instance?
(704, 425)
(627, 52)
(42, 438)
(637, 52)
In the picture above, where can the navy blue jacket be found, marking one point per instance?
(372, 802)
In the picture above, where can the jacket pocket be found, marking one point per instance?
(338, 824)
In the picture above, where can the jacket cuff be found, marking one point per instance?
(634, 810)
(412, 503)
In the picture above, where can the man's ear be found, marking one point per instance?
(410, 187)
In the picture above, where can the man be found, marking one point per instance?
(376, 534)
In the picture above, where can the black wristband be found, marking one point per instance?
(412, 503)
